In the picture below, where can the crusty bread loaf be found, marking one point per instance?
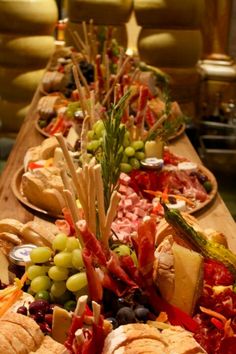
(43, 187)
(138, 338)
(20, 334)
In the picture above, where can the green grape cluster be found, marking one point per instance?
(72, 108)
(57, 273)
(133, 151)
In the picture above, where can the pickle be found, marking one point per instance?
(209, 249)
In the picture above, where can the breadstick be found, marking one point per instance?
(96, 311)
(79, 88)
(71, 167)
(111, 213)
(81, 305)
(84, 138)
(100, 197)
(66, 181)
(92, 200)
(82, 197)
(156, 125)
(74, 212)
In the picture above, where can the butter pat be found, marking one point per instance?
(188, 278)
(154, 149)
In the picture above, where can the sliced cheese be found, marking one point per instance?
(179, 205)
(187, 166)
(60, 324)
(4, 264)
(188, 278)
(72, 137)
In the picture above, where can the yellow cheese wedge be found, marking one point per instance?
(188, 278)
(168, 13)
(28, 16)
(25, 51)
(108, 12)
(18, 85)
(170, 47)
(12, 115)
(60, 324)
(4, 276)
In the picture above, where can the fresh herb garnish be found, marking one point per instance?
(112, 147)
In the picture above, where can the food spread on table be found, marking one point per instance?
(124, 267)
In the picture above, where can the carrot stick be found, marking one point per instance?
(10, 301)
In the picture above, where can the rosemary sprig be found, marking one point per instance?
(113, 147)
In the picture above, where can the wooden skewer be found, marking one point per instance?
(77, 43)
(79, 88)
(83, 79)
(86, 37)
(117, 77)
(82, 44)
(107, 70)
(74, 212)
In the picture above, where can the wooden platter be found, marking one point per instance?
(179, 132)
(17, 191)
(40, 130)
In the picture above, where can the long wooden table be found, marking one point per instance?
(214, 216)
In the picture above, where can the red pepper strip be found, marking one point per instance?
(77, 322)
(33, 165)
(94, 344)
(99, 72)
(58, 125)
(91, 243)
(217, 323)
(146, 248)
(113, 266)
(94, 284)
(128, 265)
(176, 316)
(150, 117)
(67, 216)
(142, 102)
